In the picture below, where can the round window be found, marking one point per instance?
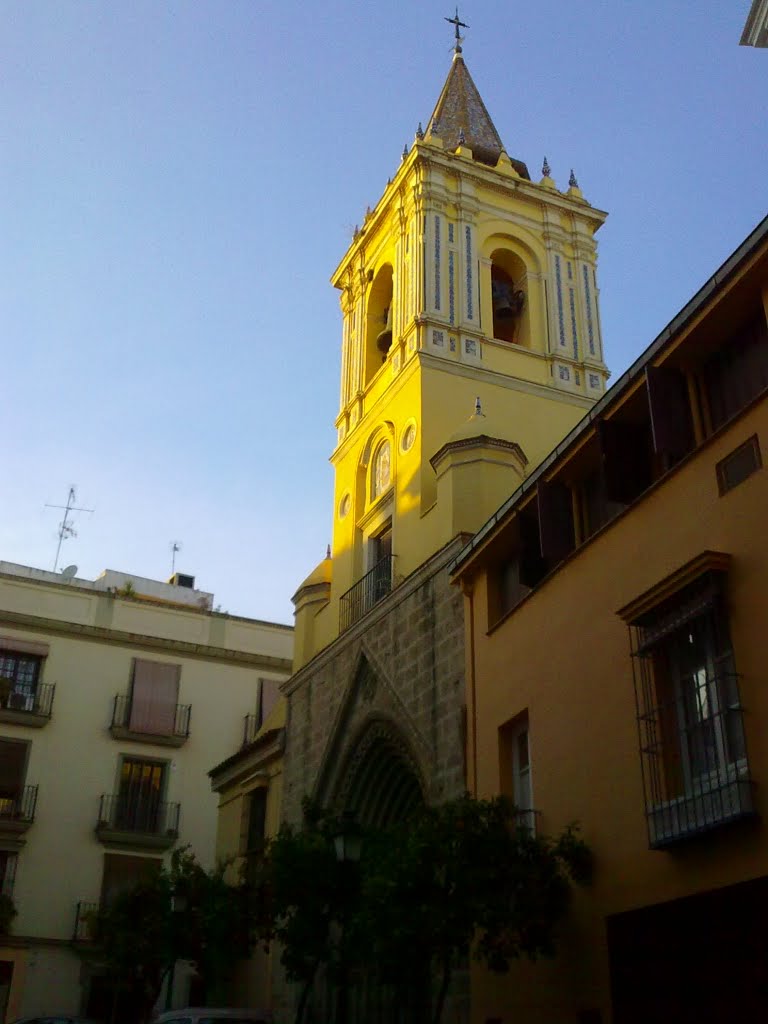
(408, 437)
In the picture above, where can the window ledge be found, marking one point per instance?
(32, 719)
(156, 739)
(128, 840)
(697, 812)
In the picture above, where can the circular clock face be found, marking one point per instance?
(408, 437)
(345, 505)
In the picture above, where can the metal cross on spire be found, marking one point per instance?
(457, 24)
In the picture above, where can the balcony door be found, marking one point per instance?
(380, 563)
(140, 795)
(154, 697)
(13, 770)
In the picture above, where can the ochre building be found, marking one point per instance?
(616, 675)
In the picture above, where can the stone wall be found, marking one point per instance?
(400, 667)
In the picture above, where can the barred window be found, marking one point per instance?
(689, 713)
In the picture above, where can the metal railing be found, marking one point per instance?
(20, 806)
(120, 813)
(35, 701)
(367, 592)
(85, 921)
(150, 719)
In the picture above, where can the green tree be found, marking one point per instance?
(182, 912)
(299, 898)
(462, 877)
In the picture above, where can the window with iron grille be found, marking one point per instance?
(689, 713)
(19, 677)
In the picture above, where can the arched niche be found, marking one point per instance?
(509, 297)
(378, 327)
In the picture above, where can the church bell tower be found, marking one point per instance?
(471, 345)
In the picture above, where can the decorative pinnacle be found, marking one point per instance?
(457, 24)
(405, 151)
(572, 180)
(419, 132)
(462, 138)
(478, 407)
(545, 168)
(328, 551)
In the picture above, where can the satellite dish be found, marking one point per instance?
(69, 572)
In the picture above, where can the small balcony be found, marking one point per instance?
(30, 707)
(161, 725)
(17, 812)
(86, 914)
(367, 592)
(132, 823)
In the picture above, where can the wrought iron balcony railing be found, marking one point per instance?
(18, 809)
(86, 916)
(147, 719)
(145, 816)
(35, 701)
(367, 592)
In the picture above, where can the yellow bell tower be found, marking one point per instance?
(471, 345)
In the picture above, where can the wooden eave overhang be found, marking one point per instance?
(707, 561)
(739, 263)
(258, 752)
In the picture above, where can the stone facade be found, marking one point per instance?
(397, 676)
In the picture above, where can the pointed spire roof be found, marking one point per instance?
(460, 110)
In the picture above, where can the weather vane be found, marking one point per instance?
(457, 24)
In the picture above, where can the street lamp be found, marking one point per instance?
(348, 844)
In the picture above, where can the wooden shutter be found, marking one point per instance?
(556, 531)
(670, 410)
(626, 459)
(268, 697)
(154, 696)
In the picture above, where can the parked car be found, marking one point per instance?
(212, 1015)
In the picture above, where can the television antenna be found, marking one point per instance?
(175, 549)
(66, 527)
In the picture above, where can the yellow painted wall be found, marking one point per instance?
(563, 656)
(439, 226)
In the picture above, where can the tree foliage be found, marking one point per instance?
(182, 912)
(463, 877)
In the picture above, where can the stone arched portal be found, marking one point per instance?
(381, 783)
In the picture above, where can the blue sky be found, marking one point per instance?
(179, 178)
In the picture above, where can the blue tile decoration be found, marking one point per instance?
(453, 344)
(594, 380)
(570, 271)
(468, 245)
(573, 324)
(452, 287)
(565, 373)
(588, 301)
(437, 263)
(450, 232)
(560, 320)
(437, 338)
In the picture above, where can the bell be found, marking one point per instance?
(384, 339)
(507, 303)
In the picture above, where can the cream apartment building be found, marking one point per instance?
(116, 697)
